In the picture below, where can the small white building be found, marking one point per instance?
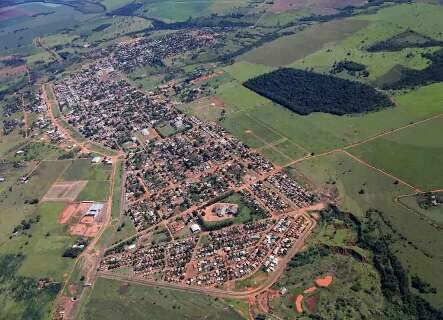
(96, 159)
(95, 209)
(145, 132)
(195, 228)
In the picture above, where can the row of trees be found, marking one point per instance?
(304, 92)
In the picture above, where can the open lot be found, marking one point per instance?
(116, 300)
(94, 191)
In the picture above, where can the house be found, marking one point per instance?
(96, 160)
(195, 228)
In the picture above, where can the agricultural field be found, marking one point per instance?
(83, 169)
(319, 132)
(94, 191)
(286, 50)
(434, 212)
(111, 299)
(19, 200)
(33, 20)
(397, 154)
(388, 22)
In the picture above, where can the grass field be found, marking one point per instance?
(19, 32)
(319, 132)
(94, 191)
(286, 50)
(413, 154)
(83, 169)
(44, 250)
(115, 300)
(14, 194)
(433, 213)
(422, 18)
(173, 10)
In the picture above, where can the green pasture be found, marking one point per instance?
(288, 49)
(433, 213)
(413, 154)
(44, 250)
(388, 22)
(319, 132)
(94, 191)
(111, 299)
(248, 130)
(243, 70)
(38, 20)
(13, 193)
(83, 169)
(37, 151)
(173, 10)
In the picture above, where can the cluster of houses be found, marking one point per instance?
(170, 178)
(152, 51)
(229, 254)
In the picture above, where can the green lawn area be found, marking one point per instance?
(111, 299)
(94, 191)
(413, 154)
(83, 169)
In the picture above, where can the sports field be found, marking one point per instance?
(111, 299)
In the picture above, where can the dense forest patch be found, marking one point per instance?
(304, 92)
(351, 67)
(431, 74)
(406, 39)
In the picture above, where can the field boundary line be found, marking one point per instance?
(392, 131)
(275, 131)
(380, 170)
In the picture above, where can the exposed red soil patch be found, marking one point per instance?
(324, 282)
(298, 303)
(310, 290)
(207, 77)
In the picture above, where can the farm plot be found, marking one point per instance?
(116, 300)
(64, 191)
(19, 200)
(287, 49)
(386, 23)
(413, 154)
(94, 191)
(320, 132)
(83, 169)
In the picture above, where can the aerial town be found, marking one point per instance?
(180, 174)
